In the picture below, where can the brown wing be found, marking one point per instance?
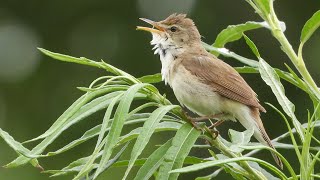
(223, 78)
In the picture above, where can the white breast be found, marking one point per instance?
(167, 51)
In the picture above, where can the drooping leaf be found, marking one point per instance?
(310, 27)
(145, 134)
(113, 160)
(227, 53)
(252, 46)
(268, 175)
(163, 126)
(181, 145)
(155, 78)
(75, 108)
(208, 164)
(85, 111)
(19, 148)
(234, 32)
(153, 162)
(86, 61)
(77, 165)
(88, 167)
(272, 79)
(95, 132)
(121, 115)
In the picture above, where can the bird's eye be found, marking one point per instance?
(173, 29)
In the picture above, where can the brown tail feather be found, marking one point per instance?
(269, 143)
(265, 138)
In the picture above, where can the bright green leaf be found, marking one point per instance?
(252, 46)
(163, 126)
(208, 164)
(272, 79)
(155, 78)
(153, 162)
(234, 32)
(310, 27)
(145, 134)
(121, 115)
(88, 109)
(182, 143)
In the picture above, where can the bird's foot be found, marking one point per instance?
(192, 122)
(216, 124)
(214, 133)
(203, 118)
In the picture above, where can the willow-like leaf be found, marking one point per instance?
(272, 79)
(310, 27)
(204, 165)
(90, 108)
(153, 162)
(145, 134)
(182, 143)
(121, 115)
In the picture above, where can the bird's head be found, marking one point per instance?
(176, 28)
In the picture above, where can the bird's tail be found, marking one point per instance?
(264, 139)
(259, 132)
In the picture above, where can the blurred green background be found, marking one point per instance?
(35, 90)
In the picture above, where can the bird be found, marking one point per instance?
(200, 81)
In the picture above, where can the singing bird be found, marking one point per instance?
(200, 81)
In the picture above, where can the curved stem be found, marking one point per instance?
(297, 61)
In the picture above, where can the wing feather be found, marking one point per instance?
(223, 79)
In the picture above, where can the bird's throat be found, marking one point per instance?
(168, 51)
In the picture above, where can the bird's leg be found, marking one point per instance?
(202, 118)
(194, 124)
(216, 124)
(214, 131)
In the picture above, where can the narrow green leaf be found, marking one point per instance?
(264, 6)
(145, 134)
(247, 69)
(124, 163)
(310, 27)
(73, 109)
(67, 114)
(85, 111)
(140, 162)
(234, 32)
(85, 137)
(90, 134)
(90, 163)
(155, 78)
(106, 119)
(153, 162)
(77, 165)
(227, 53)
(113, 160)
(272, 79)
(84, 61)
(15, 145)
(193, 160)
(219, 162)
(182, 143)
(252, 46)
(268, 175)
(121, 115)
(163, 126)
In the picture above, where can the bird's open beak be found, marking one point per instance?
(158, 29)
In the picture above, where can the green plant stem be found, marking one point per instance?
(298, 62)
(226, 151)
